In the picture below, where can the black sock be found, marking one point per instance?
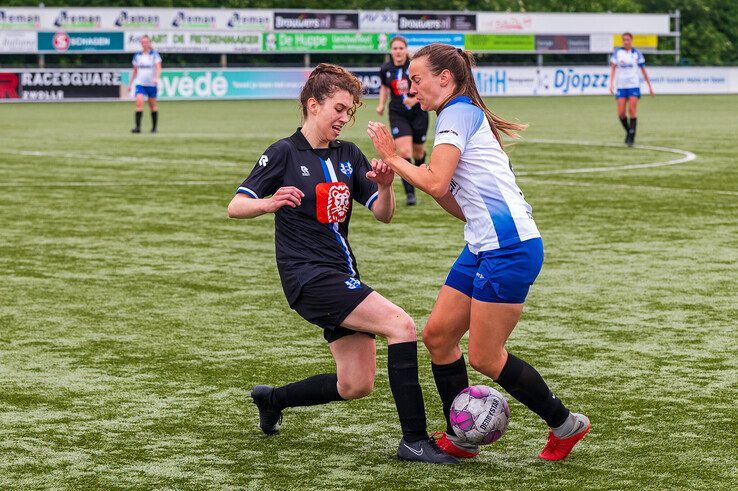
(525, 384)
(402, 371)
(138, 119)
(408, 187)
(420, 161)
(450, 380)
(624, 122)
(633, 122)
(154, 119)
(318, 389)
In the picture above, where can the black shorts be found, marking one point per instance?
(409, 123)
(327, 300)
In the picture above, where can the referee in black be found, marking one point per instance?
(308, 181)
(408, 122)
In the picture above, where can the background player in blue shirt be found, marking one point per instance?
(625, 63)
(146, 75)
(309, 181)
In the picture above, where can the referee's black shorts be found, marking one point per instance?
(328, 299)
(409, 123)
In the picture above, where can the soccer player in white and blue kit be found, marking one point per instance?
(146, 75)
(625, 63)
(470, 176)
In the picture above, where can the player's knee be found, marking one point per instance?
(488, 362)
(404, 327)
(356, 389)
(433, 337)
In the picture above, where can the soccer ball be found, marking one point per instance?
(479, 415)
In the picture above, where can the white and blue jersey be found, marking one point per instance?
(146, 65)
(483, 183)
(628, 64)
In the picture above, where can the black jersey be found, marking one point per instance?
(312, 238)
(396, 78)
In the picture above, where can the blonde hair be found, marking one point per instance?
(459, 63)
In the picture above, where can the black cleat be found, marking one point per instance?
(424, 451)
(136, 130)
(269, 418)
(411, 201)
(630, 139)
(153, 130)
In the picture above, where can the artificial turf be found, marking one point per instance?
(135, 317)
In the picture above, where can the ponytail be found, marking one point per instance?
(459, 63)
(498, 124)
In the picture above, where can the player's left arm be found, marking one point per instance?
(433, 178)
(382, 175)
(648, 80)
(157, 77)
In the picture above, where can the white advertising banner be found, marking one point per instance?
(153, 18)
(18, 41)
(377, 21)
(595, 80)
(20, 18)
(196, 41)
(571, 23)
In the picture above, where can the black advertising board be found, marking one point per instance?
(315, 21)
(370, 81)
(436, 22)
(45, 85)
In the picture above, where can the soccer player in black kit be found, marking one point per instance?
(408, 122)
(308, 181)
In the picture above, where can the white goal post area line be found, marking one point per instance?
(686, 157)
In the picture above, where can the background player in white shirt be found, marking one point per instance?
(625, 63)
(470, 176)
(146, 75)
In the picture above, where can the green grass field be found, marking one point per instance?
(135, 317)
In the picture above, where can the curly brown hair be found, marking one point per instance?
(325, 80)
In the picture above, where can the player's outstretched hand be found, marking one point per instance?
(380, 110)
(381, 173)
(285, 196)
(382, 140)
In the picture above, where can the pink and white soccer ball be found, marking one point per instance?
(479, 415)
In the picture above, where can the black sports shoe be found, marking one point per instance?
(629, 139)
(153, 130)
(424, 451)
(136, 130)
(411, 201)
(269, 418)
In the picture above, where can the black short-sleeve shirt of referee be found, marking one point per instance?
(312, 238)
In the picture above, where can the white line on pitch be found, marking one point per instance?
(81, 184)
(121, 159)
(632, 186)
(687, 157)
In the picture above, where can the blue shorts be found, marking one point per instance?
(500, 276)
(147, 90)
(625, 93)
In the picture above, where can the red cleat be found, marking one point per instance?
(559, 448)
(445, 443)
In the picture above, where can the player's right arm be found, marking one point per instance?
(263, 191)
(383, 94)
(245, 206)
(133, 78)
(612, 78)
